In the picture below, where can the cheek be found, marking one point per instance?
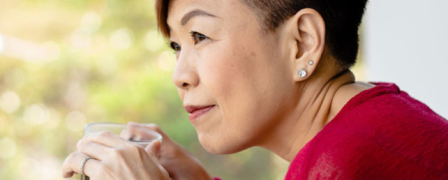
(245, 84)
(228, 78)
(236, 78)
(229, 74)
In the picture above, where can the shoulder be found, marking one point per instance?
(382, 133)
(387, 104)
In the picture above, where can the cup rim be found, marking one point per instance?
(156, 134)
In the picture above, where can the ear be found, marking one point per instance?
(306, 31)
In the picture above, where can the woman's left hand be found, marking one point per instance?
(115, 158)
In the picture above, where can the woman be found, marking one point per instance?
(275, 74)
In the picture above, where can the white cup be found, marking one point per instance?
(121, 129)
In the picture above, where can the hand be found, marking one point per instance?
(179, 163)
(115, 158)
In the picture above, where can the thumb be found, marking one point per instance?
(153, 149)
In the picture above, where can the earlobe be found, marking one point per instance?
(310, 41)
(303, 73)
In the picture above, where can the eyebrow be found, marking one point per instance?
(193, 14)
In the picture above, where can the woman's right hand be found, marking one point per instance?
(177, 161)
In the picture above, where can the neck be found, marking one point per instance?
(316, 105)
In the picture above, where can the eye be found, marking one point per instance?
(198, 37)
(176, 47)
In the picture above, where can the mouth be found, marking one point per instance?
(196, 111)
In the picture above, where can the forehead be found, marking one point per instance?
(226, 9)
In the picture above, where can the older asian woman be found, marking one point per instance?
(275, 74)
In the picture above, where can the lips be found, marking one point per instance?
(196, 111)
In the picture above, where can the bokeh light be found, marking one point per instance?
(91, 22)
(121, 39)
(67, 63)
(36, 114)
(154, 41)
(7, 148)
(9, 102)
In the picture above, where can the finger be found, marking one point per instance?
(153, 127)
(153, 149)
(169, 147)
(95, 150)
(139, 133)
(105, 138)
(126, 134)
(73, 162)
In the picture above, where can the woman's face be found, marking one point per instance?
(234, 78)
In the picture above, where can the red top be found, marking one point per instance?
(382, 133)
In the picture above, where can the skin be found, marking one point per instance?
(116, 158)
(248, 76)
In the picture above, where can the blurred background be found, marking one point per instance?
(405, 42)
(65, 63)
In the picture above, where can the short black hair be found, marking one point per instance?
(342, 19)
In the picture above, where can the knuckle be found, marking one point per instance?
(117, 153)
(84, 146)
(80, 142)
(135, 148)
(105, 134)
(71, 160)
(72, 156)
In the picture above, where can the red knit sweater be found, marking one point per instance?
(382, 133)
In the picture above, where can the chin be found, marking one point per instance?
(219, 146)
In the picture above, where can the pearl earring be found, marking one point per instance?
(302, 73)
(311, 62)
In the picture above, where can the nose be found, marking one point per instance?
(185, 75)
